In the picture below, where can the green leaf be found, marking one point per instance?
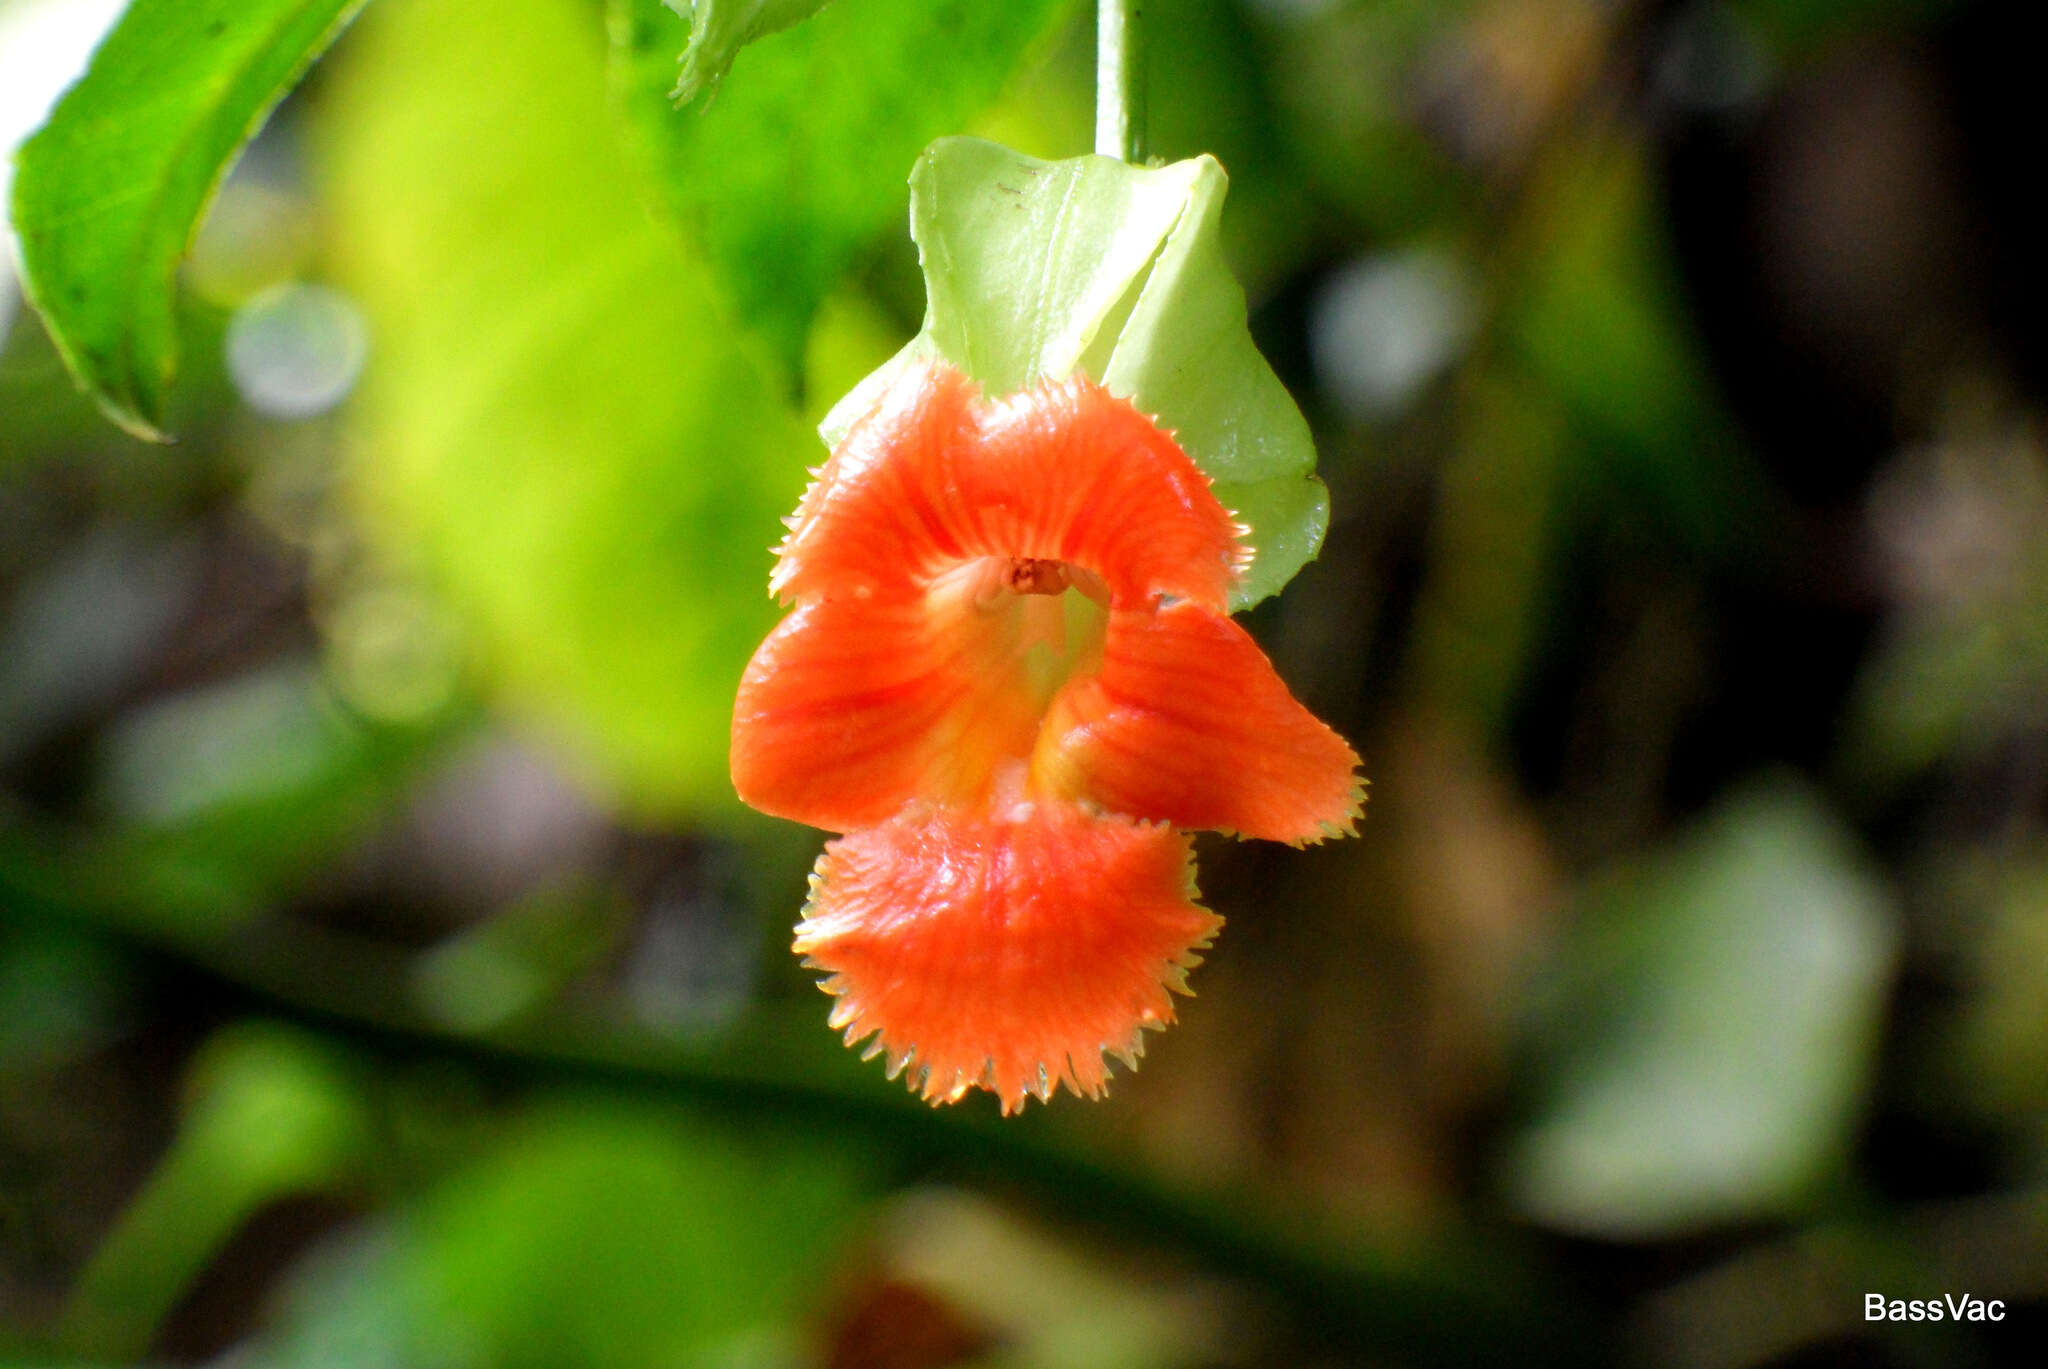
(720, 28)
(600, 1233)
(797, 165)
(1596, 318)
(560, 432)
(1804, 28)
(107, 195)
(274, 1112)
(62, 993)
(1713, 1027)
(230, 794)
(1038, 269)
(593, 1230)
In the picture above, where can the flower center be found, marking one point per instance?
(1036, 575)
(1024, 626)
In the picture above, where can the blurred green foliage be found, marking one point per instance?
(782, 201)
(272, 1113)
(388, 977)
(512, 281)
(720, 28)
(1716, 1030)
(1593, 321)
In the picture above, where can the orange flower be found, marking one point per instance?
(1009, 675)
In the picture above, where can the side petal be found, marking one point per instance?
(852, 707)
(1188, 723)
(1006, 953)
(879, 516)
(1068, 471)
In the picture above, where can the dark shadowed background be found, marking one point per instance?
(388, 976)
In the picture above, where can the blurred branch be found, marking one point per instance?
(1463, 1303)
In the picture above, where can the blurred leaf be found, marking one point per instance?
(596, 1233)
(249, 739)
(46, 415)
(801, 161)
(109, 192)
(1060, 1302)
(558, 429)
(611, 1238)
(1713, 1028)
(273, 1112)
(1939, 688)
(341, 1307)
(1962, 665)
(1491, 545)
(1211, 97)
(222, 800)
(229, 794)
(509, 964)
(720, 28)
(60, 993)
(1598, 323)
(1805, 26)
(605, 1236)
(852, 336)
(1345, 82)
(2002, 1032)
(1038, 269)
(86, 626)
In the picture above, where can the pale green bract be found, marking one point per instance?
(1038, 269)
(720, 28)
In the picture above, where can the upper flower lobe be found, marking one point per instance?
(1008, 668)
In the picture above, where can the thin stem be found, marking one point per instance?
(1120, 79)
